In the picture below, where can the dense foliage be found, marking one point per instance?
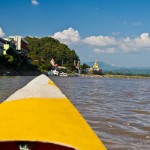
(84, 66)
(42, 50)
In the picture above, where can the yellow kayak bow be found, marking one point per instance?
(40, 117)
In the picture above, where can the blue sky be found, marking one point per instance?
(113, 31)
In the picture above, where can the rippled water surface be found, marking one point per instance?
(117, 109)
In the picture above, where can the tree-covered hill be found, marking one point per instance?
(42, 50)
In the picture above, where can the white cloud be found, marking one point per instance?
(143, 41)
(104, 44)
(34, 2)
(104, 50)
(1, 32)
(67, 36)
(100, 40)
(139, 43)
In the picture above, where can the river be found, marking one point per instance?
(118, 110)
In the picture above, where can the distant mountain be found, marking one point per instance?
(127, 70)
(133, 70)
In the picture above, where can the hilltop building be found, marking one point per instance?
(20, 42)
(6, 44)
(15, 46)
(52, 62)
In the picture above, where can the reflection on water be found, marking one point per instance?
(117, 109)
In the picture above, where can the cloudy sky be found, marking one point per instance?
(114, 31)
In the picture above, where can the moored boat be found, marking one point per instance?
(62, 74)
(40, 117)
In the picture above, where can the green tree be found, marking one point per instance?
(42, 50)
(85, 66)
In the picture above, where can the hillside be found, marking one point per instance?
(42, 50)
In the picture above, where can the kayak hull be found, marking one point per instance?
(40, 113)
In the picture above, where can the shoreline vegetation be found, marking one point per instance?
(38, 58)
(24, 69)
(10, 72)
(118, 76)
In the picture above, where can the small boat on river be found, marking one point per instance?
(40, 117)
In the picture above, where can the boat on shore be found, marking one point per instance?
(63, 74)
(40, 117)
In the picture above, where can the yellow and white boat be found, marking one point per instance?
(40, 117)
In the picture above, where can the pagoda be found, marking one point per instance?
(96, 69)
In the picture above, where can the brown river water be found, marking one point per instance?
(118, 110)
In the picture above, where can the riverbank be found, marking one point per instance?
(117, 76)
(5, 71)
(29, 71)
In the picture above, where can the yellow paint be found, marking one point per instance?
(46, 120)
(51, 83)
